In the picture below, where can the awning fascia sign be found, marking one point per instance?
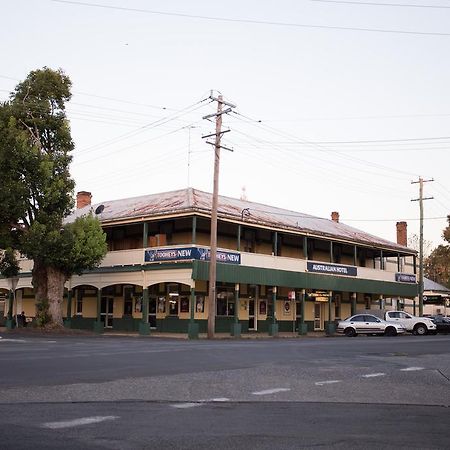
(332, 269)
(189, 253)
(405, 277)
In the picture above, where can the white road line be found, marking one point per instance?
(270, 391)
(185, 405)
(218, 399)
(412, 369)
(13, 340)
(321, 383)
(77, 422)
(373, 375)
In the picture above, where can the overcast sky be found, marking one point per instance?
(339, 105)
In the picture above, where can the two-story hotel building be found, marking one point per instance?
(277, 270)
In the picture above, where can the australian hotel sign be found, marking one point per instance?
(189, 253)
(332, 269)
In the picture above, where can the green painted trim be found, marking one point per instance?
(228, 273)
(69, 303)
(239, 238)
(99, 305)
(139, 267)
(144, 305)
(145, 235)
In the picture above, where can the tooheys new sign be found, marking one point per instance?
(405, 277)
(332, 269)
(189, 253)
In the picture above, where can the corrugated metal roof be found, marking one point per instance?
(193, 200)
(430, 285)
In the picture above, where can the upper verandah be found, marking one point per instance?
(193, 201)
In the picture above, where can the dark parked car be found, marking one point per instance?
(442, 323)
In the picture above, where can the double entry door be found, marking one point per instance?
(106, 311)
(252, 318)
(318, 316)
(152, 311)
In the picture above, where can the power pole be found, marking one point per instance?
(213, 245)
(420, 200)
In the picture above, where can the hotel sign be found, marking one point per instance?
(405, 277)
(332, 269)
(189, 253)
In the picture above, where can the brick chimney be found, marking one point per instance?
(402, 236)
(83, 199)
(335, 216)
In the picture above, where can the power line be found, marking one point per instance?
(252, 21)
(402, 5)
(146, 127)
(382, 140)
(324, 149)
(391, 116)
(129, 147)
(102, 97)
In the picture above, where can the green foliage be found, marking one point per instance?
(9, 266)
(35, 146)
(437, 265)
(43, 317)
(80, 245)
(36, 192)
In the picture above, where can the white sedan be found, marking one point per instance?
(368, 324)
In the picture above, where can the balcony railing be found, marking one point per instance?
(136, 257)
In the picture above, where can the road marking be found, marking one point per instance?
(270, 391)
(373, 375)
(218, 399)
(185, 405)
(78, 422)
(321, 383)
(412, 369)
(13, 340)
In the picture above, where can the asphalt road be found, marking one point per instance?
(140, 392)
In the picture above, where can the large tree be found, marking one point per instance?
(437, 265)
(37, 190)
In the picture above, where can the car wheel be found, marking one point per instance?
(420, 329)
(390, 331)
(350, 332)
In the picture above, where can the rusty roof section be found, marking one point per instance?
(193, 200)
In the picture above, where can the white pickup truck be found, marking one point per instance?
(413, 324)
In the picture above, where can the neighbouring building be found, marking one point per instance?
(277, 270)
(436, 298)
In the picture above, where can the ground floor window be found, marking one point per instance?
(79, 302)
(184, 304)
(128, 300)
(173, 306)
(225, 303)
(161, 304)
(200, 303)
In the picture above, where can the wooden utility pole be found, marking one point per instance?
(213, 245)
(420, 200)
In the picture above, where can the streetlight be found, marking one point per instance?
(12, 282)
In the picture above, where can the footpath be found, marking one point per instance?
(63, 332)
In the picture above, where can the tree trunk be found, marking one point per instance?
(55, 293)
(39, 281)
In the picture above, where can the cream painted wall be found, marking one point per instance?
(346, 310)
(89, 307)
